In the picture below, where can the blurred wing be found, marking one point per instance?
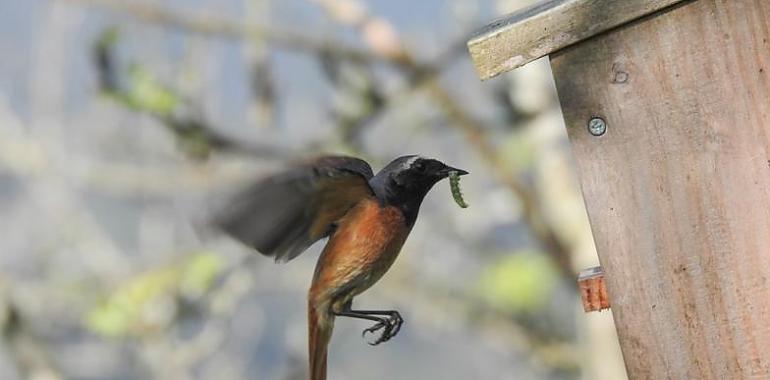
(282, 215)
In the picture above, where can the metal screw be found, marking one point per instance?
(597, 126)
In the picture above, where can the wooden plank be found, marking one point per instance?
(678, 188)
(548, 26)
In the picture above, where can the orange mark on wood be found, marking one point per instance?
(593, 290)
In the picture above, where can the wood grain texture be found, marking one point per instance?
(548, 26)
(678, 189)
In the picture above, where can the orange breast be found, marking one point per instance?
(360, 251)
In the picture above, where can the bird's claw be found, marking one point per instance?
(373, 329)
(390, 327)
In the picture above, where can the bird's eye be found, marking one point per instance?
(419, 166)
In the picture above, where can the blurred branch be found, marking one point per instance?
(143, 93)
(382, 40)
(216, 311)
(358, 99)
(27, 157)
(230, 29)
(195, 291)
(380, 37)
(436, 299)
(258, 57)
(378, 34)
(531, 210)
(28, 352)
(220, 306)
(375, 101)
(263, 89)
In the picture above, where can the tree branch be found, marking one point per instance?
(230, 29)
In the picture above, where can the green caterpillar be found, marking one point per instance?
(454, 183)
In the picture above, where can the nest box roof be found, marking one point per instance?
(548, 26)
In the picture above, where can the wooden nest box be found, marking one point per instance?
(667, 108)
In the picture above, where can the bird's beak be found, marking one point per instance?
(448, 169)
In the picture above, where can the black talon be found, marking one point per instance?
(386, 333)
(391, 329)
(389, 325)
(384, 337)
(397, 321)
(374, 328)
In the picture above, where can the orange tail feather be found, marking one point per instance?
(320, 325)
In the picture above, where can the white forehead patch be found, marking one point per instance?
(408, 163)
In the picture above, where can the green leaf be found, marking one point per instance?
(146, 94)
(121, 313)
(199, 273)
(125, 311)
(108, 38)
(518, 151)
(521, 282)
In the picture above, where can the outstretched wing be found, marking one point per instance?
(283, 215)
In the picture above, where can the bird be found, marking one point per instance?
(366, 218)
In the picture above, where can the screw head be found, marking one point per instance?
(597, 126)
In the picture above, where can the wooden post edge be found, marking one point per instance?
(547, 26)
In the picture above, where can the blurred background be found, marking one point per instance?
(120, 121)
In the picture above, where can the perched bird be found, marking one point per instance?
(366, 217)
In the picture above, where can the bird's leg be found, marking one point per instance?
(390, 326)
(394, 322)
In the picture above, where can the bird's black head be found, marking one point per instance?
(406, 180)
